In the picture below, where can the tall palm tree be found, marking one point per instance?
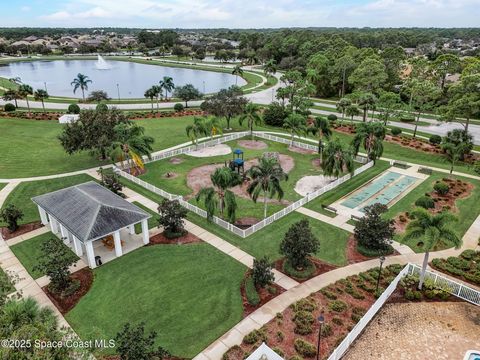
(366, 101)
(197, 129)
(26, 312)
(343, 104)
(81, 82)
(295, 124)
(219, 197)
(213, 126)
(237, 71)
(337, 159)
(167, 84)
(41, 95)
(371, 136)
(454, 152)
(251, 115)
(266, 178)
(130, 145)
(352, 110)
(23, 91)
(152, 93)
(431, 229)
(270, 67)
(10, 95)
(320, 127)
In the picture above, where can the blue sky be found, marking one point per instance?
(240, 14)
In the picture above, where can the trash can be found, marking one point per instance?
(98, 260)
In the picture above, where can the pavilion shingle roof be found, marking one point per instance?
(90, 211)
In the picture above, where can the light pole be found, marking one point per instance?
(273, 92)
(204, 87)
(45, 85)
(118, 92)
(382, 260)
(321, 320)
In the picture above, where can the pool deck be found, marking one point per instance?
(356, 211)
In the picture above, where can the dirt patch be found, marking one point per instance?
(300, 150)
(216, 150)
(264, 295)
(416, 144)
(170, 175)
(321, 267)
(22, 229)
(65, 304)
(199, 178)
(353, 256)
(309, 184)
(188, 238)
(246, 222)
(316, 162)
(347, 129)
(253, 144)
(176, 160)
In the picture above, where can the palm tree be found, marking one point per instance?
(270, 67)
(367, 101)
(454, 152)
(167, 84)
(10, 95)
(266, 177)
(432, 229)
(371, 135)
(251, 116)
(130, 145)
(343, 104)
(321, 127)
(352, 110)
(152, 93)
(295, 125)
(41, 95)
(219, 197)
(197, 129)
(23, 91)
(81, 82)
(213, 126)
(26, 312)
(237, 70)
(337, 159)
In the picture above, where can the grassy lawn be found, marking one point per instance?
(468, 208)
(152, 222)
(23, 192)
(347, 187)
(29, 251)
(188, 294)
(267, 241)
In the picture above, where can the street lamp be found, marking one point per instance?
(273, 92)
(382, 260)
(45, 85)
(203, 86)
(118, 92)
(321, 320)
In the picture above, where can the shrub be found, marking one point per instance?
(337, 321)
(9, 107)
(459, 263)
(251, 292)
(73, 109)
(305, 273)
(304, 305)
(304, 348)
(435, 139)
(326, 330)
(355, 318)
(425, 202)
(413, 295)
(280, 336)
(252, 337)
(295, 357)
(373, 231)
(98, 95)
(275, 114)
(11, 214)
(262, 273)
(101, 107)
(337, 305)
(468, 254)
(328, 294)
(441, 188)
(299, 243)
(171, 218)
(278, 351)
(178, 107)
(407, 118)
(396, 131)
(332, 117)
(303, 322)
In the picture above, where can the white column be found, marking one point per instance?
(145, 235)
(43, 216)
(63, 231)
(118, 243)
(53, 225)
(77, 246)
(90, 254)
(131, 229)
(69, 238)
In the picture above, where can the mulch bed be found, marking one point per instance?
(264, 294)
(22, 229)
(253, 144)
(321, 267)
(155, 115)
(188, 238)
(353, 256)
(246, 222)
(65, 304)
(32, 116)
(176, 160)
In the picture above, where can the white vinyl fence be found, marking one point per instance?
(224, 224)
(457, 289)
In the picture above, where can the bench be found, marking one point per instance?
(425, 170)
(329, 208)
(401, 164)
(355, 218)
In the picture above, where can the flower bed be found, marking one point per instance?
(465, 267)
(253, 297)
(293, 333)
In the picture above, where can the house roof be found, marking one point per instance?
(90, 211)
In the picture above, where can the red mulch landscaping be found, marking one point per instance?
(188, 238)
(246, 222)
(22, 229)
(415, 144)
(155, 115)
(321, 267)
(264, 294)
(353, 256)
(65, 304)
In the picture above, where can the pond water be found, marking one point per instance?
(132, 78)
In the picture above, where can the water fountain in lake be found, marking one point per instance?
(101, 64)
